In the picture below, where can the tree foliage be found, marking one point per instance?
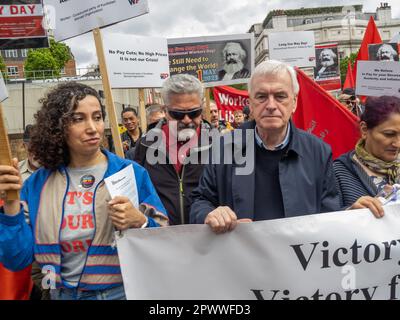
(3, 67)
(48, 62)
(343, 65)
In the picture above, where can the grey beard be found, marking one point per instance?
(233, 67)
(327, 63)
(186, 132)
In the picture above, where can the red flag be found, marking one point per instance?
(15, 285)
(349, 82)
(322, 115)
(371, 36)
(229, 99)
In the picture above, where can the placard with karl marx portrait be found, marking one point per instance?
(327, 63)
(383, 52)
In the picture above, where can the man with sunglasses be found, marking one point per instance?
(174, 174)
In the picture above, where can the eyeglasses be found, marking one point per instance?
(180, 114)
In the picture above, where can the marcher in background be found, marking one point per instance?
(133, 132)
(239, 118)
(214, 117)
(29, 165)
(68, 218)
(174, 175)
(292, 174)
(26, 168)
(154, 113)
(374, 166)
(350, 101)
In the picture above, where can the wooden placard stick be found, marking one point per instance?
(142, 110)
(110, 105)
(5, 153)
(207, 115)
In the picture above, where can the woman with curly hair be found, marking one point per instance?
(67, 218)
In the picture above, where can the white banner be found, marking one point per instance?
(378, 78)
(294, 48)
(345, 255)
(71, 18)
(136, 62)
(3, 89)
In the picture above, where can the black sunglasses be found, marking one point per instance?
(180, 114)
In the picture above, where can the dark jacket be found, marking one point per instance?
(352, 180)
(173, 190)
(305, 175)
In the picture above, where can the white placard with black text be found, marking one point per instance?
(347, 255)
(294, 48)
(136, 62)
(70, 18)
(378, 78)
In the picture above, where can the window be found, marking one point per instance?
(11, 53)
(329, 19)
(24, 53)
(308, 21)
(62, 71)
(12, 71)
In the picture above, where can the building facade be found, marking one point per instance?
(15, 59)
(344, 25)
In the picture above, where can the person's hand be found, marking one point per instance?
(125, 145)
(10, 180)
(124, 215)
(371, 203)
(221, 220)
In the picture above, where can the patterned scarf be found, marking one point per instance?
(390, 169)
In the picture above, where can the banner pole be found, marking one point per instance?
(5, 153)
(142, 110)
(207, 115)
(110, 105)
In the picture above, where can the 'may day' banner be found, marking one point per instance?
(75, 17)
(348, 255)
(21, 24)
(220, 60)
(228, 100)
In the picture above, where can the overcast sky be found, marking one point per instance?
(192, 18)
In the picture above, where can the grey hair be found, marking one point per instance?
(236, 46)
(333, 54)
(181, 84)
(153, 108)
(392, 51)
(273, 67)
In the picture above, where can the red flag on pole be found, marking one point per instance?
(349, 82)
(322, 115)
(15, 285)
(371, 36)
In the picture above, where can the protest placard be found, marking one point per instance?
(378, 78)
(327, 71)
(21, 24)
(300, 258)
(75, 17)
(294, 48)
(136, 62)
(383, 52)
(5, 151)
(215, 61)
